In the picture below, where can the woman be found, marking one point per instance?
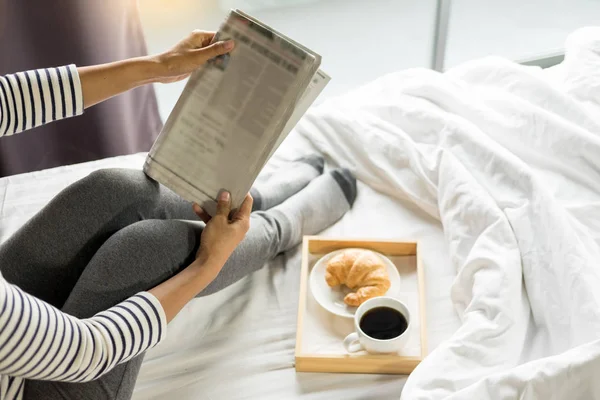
(90, 282)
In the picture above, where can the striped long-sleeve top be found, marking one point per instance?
(33, 98)
(38, 341)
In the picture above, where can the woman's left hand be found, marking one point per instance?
(101, 82)
(188, 55)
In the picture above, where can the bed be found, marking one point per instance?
(494, 167)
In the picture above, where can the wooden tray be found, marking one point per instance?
(320, 333)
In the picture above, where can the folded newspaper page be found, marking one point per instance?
(234, 112)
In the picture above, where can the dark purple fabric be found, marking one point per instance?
(50, 33)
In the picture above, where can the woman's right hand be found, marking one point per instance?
(224, 231)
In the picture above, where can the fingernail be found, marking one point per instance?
(224, 196)
(229, 45)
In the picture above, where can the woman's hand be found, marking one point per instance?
(188, 55)
(220, 237)
(224, 231)
(101, 82)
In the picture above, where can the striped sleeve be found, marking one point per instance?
(38, 341)
(33, 98)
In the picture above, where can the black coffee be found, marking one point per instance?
(383, 323)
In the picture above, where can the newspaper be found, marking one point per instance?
(234, 112)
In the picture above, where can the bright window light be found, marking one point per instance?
(253, 5)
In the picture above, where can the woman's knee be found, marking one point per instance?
(111, 189)
(130, 182)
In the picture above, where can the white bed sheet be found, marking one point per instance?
(505, 158)
(239, 343)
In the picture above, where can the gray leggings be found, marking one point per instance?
(107, 237)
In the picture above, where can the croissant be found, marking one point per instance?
(360, 270)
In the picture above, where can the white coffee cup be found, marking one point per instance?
(359, 340)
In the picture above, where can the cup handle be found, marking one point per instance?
(351, 343)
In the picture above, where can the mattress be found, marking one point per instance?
(493, 167)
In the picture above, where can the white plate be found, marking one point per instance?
(332, 299)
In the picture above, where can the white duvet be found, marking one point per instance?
(504, 158)
(508, 159)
